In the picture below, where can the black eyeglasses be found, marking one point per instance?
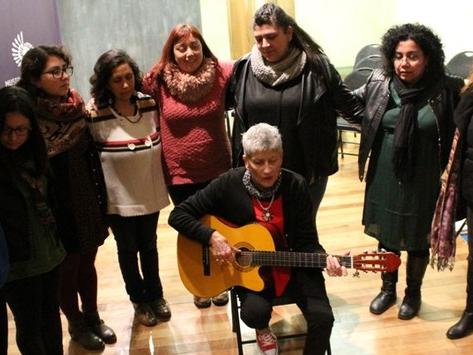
(58, 72)
(19, 131)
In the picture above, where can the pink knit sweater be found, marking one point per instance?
(194, 140)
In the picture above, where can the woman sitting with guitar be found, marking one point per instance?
(279, 200)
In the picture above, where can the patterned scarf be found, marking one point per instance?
(281, 72)
(257, 192)
(443, 236)
(61, 122)
(190, 88)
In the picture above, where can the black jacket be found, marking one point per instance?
(375, 96)
(464, 121)
(320, 100)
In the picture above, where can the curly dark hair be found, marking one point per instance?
(103, 72)
(33, 64)
(272, 14)
(424, 37)
(16, 99)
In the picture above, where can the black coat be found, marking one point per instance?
(464, 121)
(321, 99)
(375, 95)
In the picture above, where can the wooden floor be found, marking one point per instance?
(356, 331)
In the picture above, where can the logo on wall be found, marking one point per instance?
(19, 49)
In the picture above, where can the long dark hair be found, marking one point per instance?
(272, 14)
(34, 63)
(103, 71)
(424, 37)
(16, 99)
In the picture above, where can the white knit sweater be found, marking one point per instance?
(130, 152)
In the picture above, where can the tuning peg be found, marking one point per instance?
(356, 274)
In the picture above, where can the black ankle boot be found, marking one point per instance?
(84, 336)
(465, 325)
(415, 270)
(461, 328)
(387, 297)
(99, 328)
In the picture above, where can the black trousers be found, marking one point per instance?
(137, 235)
(34, 302)
(256, 309)
(180, 193)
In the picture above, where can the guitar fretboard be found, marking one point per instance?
(289, 258)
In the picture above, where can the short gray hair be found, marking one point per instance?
(261, 137)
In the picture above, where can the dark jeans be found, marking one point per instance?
(3, 326)
(317, 189)
(180, 193)
(137, 235)
(256, 309)
(78, 278)
(34, 303)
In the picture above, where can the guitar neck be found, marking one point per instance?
(292, 259)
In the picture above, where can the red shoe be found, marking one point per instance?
(267, 341)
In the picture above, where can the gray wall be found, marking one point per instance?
(91, 27)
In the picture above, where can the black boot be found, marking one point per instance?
(99, 328)
(415, 270)
(387, 297)
(84, 336)
(465, 325)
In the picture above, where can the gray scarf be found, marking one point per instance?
(281, 72)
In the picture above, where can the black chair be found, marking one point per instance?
(235, 312)
(373, 61)
(366, 51)
(344, 125)
(357, 78)
(461, 64)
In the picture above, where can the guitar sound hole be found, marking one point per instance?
(243, 259)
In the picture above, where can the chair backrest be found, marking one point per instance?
(373, 61)
(461, 64)
(357, 78)
(366, 51)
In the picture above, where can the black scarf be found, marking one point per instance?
(406, 127)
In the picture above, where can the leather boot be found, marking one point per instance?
(465, 325)
(99, 328)
(387, 297)
(84, 336)
(415, 270)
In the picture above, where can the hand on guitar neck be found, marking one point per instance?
(334, 268)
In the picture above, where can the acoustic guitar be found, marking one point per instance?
(204, 277)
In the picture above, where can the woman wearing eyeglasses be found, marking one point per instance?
(34, 248)
(79, 187)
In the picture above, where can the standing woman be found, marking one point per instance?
(407, 132)
(189, 84)
(34, 249)
(124, 126)
(78, 184)
(464, 121)
(288, 82)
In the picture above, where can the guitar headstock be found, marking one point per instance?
(376, 261)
